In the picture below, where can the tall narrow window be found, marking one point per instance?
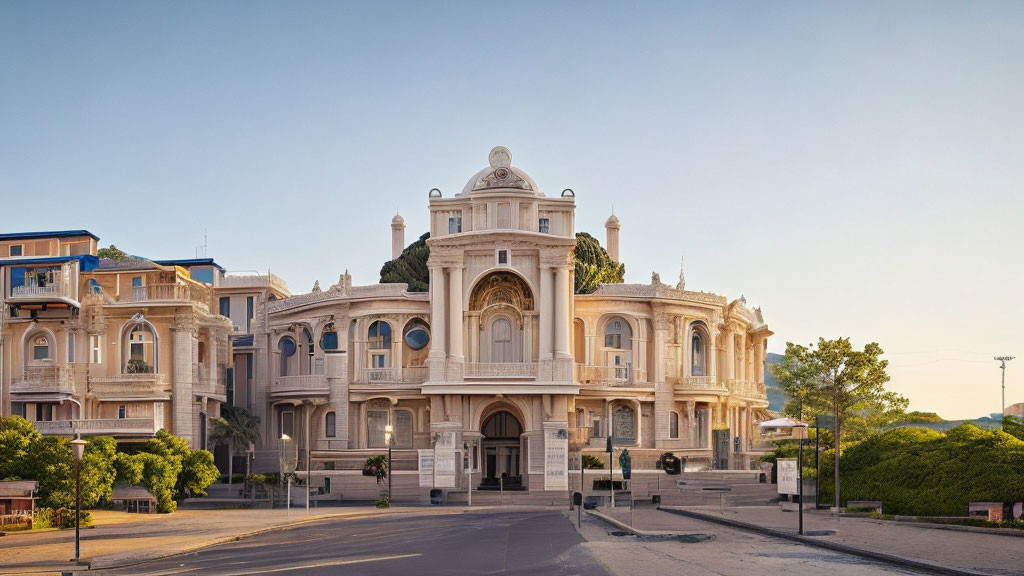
(697, 364)
(617, 334)
(40, 348)
(225, 307)
(379, 335)
(95, 349)
(403, 429)
(376, 420)
(286, 346)
(455, 223)
(250, 312)
(673, 425)
(142, 349)
(330, 425)
(502, 257)
(287, 424)
(544, 226)
(122, 412)
(71, 347)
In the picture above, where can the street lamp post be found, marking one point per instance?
(78, 448)
(388, 438)
(1002, 364)
(284, 447)
(800, 434)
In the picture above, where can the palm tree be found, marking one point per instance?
(236, 429)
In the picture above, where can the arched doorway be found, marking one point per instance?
(500, 447)
(501, 306)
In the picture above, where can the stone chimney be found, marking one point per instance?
(611, 228)
(397, 236)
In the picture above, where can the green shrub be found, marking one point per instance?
(591, 462)
(383, 502)
(920, 472)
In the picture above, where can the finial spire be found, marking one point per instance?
(682, 277)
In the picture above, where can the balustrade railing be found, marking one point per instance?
(624, 375)
(500, 369)
(45, 379)
(170, 292)
(699, 384)
(307, 383)
(93, 426)
(138, 382)
(747, 389)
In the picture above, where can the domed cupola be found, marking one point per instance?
(501, 176)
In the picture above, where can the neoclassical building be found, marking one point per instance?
(500, 367)
(500, 370)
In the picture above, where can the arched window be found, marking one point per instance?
(698, 354)
(379, 336)
(307, 341)
(673, 425)
(140, 349)
(624, 424)
(403, 428)
(286, 346)
(41, 348)
(501, 341)
(617, 334)
(329, 338)
(330, 425)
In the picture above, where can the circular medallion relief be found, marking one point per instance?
(500, 157)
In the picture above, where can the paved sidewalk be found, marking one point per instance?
(971, 551)
(118, 539)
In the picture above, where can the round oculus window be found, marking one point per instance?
(417, 338)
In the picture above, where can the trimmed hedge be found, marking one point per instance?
(921, 472)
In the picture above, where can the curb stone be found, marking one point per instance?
(911, 563)
(637, 532)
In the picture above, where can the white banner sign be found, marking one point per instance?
(426, 468)
(789, 476)
(556, 459)
(444, 468)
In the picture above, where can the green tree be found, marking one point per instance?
(593, 265)
(917, 417)
(154, 472)
(53, 466)
(236, 429)
(1014, 426)
(793, 376)
(850, 385)
(16, 437)
(195, 469)
(410, 267)
(112, 252)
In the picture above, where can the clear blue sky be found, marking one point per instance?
(854, 170)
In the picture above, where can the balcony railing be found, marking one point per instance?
(500, 370)
(314, 384)
(57, 285)
(170, 293)
(143, 383)
(99, 426)
(699, 384)
(408, 374)
(41, 379)
(747, 389)
(625, 375)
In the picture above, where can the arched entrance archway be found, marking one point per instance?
(501, 317)
(501, 451)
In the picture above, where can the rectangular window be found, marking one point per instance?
(403, 429)
(455, 223)
(596, 432)
(250, 312)
(18, 409)
(376, 420)
(122, 412)
(95, 348)
(16, 249)
(331, 425)
(377, 361)
(71, 348)
(287, 421)
(544, 227)
(502, 257)
(327, 484)
(225, 307)
(204, 275)
(673, 425)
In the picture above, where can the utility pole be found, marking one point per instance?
(1002, 364)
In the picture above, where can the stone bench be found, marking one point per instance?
(875, 504)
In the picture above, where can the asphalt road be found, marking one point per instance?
(506, 542)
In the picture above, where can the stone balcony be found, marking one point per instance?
(747, 389)
(500, 370)
(38, 381)
(99, 427)
(169, 294)
(617, 376)
(698, 385)
(404, 375)
(130, 386)
(299, 386)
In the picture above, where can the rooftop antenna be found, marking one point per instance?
(1002, 364)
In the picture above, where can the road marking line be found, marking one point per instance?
(326, 564)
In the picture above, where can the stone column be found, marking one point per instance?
(183, 353)
(455, 321)
(663, 392)
(438, 346)
(730, 356)
(545, 306)
(562, 293)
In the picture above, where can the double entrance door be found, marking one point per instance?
(501, 461)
